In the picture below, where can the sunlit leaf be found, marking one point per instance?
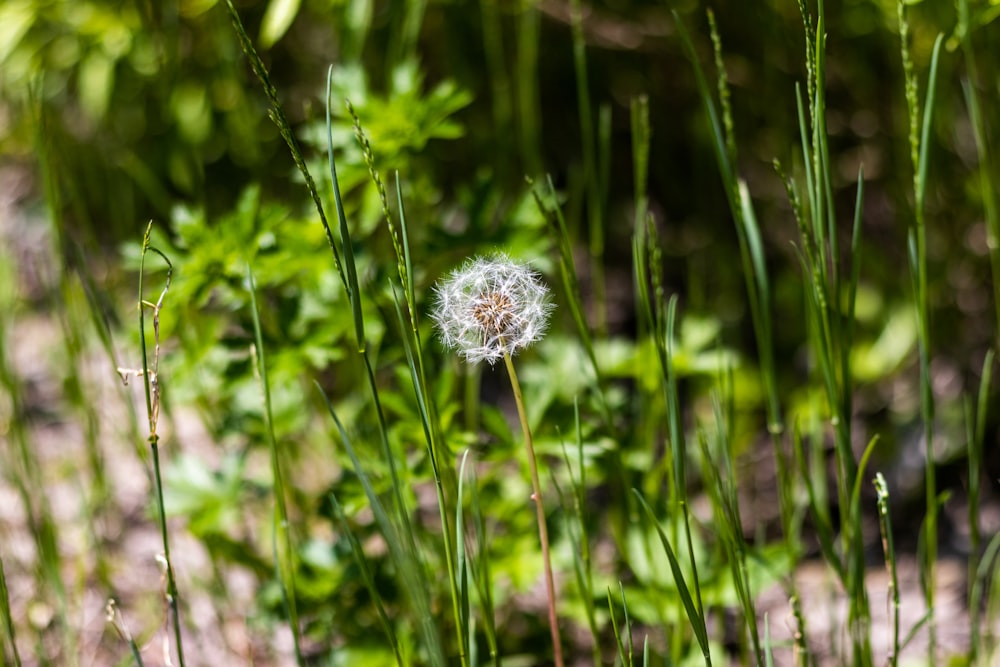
(277, 20)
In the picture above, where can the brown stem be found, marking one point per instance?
(543, 533)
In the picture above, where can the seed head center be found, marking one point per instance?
(494, 312)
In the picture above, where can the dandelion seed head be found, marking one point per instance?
(491, 305)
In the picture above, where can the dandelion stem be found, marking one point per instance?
(536, 495)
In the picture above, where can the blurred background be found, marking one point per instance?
(145, 108)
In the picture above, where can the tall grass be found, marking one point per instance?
(282, 547)
(23, 471)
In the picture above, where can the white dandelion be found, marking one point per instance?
(491, 306)
(489, 309)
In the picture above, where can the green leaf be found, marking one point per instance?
(277, 20)
(96, 79)
(16, 19)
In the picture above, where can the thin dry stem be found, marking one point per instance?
(536, 496)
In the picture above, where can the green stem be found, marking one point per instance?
(7, 638)
(150, 376)
(536, 496)
(171, 582)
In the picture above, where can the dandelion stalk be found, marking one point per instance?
(536, 496)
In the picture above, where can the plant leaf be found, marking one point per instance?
(277, 20)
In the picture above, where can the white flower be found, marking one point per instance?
(489, 306)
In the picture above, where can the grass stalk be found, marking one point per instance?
(151, 387)
(831, 295)
(660, 322)
(349, 277)
(641, 134)
(368, 579)
(113, 616)
(536, 497)
(721, 483)
(548, 205)
(976, 427)
(647, 265)
(594, 186)
(984, 151)
(481, 575)
(8, 638)
(66, 306)
(24, 471)
(919, 155)
(983, 589)
(402, 550)
(678, 443)
(444, 482)
(28, 478)
(277, 115)
(579, 534)
(625, 653)
(283, 550)
(500, 84)
(526, 77)
(405, 47)
(889, 551)
(432, 437)
(741, 208)
(343, 254)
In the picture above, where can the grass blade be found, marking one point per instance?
(367, 578)
(624, 655)
(548, 206)
(8, 640)
(923, 161)
(976, 426)
(985, 578)
(594, 189)
(283, 550)
(425, 405)
(481, 576)
(465, 611)
(402, 551)
(578, 534)
(694, 611)
(351, 275)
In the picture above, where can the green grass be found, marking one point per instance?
(393, 504)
